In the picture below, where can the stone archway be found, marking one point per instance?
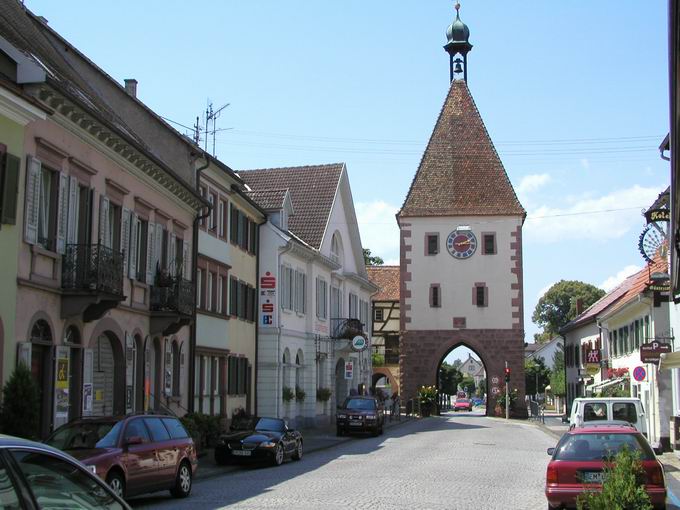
(379, 373)
(423, 352)
(109, 375)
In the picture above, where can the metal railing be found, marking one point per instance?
(92, 267)
(536, 411)
(346, 328)
(173, 294)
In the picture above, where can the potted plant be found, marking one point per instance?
(299, 394)
(288, 394)
(427, 396)
(323, 394)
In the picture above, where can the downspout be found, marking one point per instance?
(256, 317)
(194, 273)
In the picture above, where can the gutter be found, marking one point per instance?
(194, 273)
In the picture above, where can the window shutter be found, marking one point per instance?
(233, 223)
(88, 386)
(158, 252)
(73, 210)
(150, 252)
(104, 221)
(303, 304)
(33, 177)
(62, 213)
(125, 238)
(187, 260)
(129, 372)
(24, 354)
(10, 190)
(172, 254)
(132, 273)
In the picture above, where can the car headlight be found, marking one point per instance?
(342, 416)
(371, 416)
(92, 469)
(268, 444)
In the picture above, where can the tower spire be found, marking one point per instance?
(458, 45)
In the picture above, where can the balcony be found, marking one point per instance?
(91, 280)
(346, 328)
(172, 304)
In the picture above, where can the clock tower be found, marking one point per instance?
(461, 247)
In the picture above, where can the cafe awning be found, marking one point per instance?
(669, 360)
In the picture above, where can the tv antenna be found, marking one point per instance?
(210, 116)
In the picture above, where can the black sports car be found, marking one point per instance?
(257, 439)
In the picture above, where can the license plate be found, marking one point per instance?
(241, 453)
(593, 477)
(355, 424)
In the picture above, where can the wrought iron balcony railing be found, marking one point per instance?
(92, 267)
(173, 294)
(346, 328)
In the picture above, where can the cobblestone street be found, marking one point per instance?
(455, 461)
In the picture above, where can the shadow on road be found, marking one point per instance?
(252, 481)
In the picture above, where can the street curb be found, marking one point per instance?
(230, 469)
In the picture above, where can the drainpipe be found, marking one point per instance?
(256, 318)
(194, 273)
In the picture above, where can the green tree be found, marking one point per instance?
(481, 388)
(535, 373)
(20, 404)
(558, 305)
(449, 378)
(557, 383)
(469, 383)
(370, 260)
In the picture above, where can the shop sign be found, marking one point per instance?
(592, 369)
(349, 370)
(659, 287)
(654, 215)
(593, 357)
(359, 343)
(651, 352)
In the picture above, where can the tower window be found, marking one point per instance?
(480, 295)
(489, 244)
(435, 296)
(431, 244)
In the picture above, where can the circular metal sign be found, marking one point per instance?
(359, 343)
(639, 374)
(495, 390)
(494, 380)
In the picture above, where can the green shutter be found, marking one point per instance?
(10, 190)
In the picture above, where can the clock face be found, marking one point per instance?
(461, 244)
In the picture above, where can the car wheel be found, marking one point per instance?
(298, 451)
(183, 481)
(278, 455)
(116, 481)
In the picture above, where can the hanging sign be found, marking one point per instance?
(359, 343)
(654, 215)
(349, 370)
(651, 352)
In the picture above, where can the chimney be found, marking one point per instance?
(131, 86)
(579, 306)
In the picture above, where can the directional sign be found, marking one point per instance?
(639, 374)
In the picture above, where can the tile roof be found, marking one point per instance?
(386, 278)
(460, 172)
(640, 281)
(268, 199)
(312, 191)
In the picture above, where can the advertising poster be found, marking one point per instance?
(349, 369)
(87, 398)
(61, 384)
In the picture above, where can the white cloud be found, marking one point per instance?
(379, 229)
(606, 217)
(532, 182)
(613, 281)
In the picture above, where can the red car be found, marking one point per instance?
(462, 404)
(577, 463)
(134, 454)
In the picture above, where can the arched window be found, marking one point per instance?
(336, 249)
(72, 335)
(41, 332)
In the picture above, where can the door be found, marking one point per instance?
(167, 453)
(140, 459)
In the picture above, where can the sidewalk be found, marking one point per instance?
(314, 440)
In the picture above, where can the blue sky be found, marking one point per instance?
(574, 94)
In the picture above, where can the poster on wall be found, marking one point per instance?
(87, 398)
(349, 370)
(61, 396)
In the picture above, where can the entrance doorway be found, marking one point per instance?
(108, 376)
(41, 370)
(340, 382)
(462, 376)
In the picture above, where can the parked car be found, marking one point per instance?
(360, 414)
(259, 439)
(34, 475)
(476, 401)
(462, 404)
(586, 411)
(578, 461)
(134, 454)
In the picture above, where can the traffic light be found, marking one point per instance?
(507, 375)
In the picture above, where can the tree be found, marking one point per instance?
(469, 383)
(372, 261)
(558, 305)
(20, 404)
(557, 383)
(449, 378)
(535, 373)
(481, 388)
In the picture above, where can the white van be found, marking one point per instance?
(588, 411)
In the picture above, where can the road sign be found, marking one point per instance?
(651, 352)
(639, 374)
(495, 390)
(494, 380)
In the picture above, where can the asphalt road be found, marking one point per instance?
(456, 461)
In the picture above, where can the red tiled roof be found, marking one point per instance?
(312, 191)
(460, 172)
(268, 199)
(640, 281)
(386, 278)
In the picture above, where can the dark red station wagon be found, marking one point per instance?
(134, 454)
(578, 460)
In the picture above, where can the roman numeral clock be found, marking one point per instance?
(461, 243)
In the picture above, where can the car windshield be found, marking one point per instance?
(600, 446)
(86, 435)
(462, 401)
(270, 424)
(360, 404)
